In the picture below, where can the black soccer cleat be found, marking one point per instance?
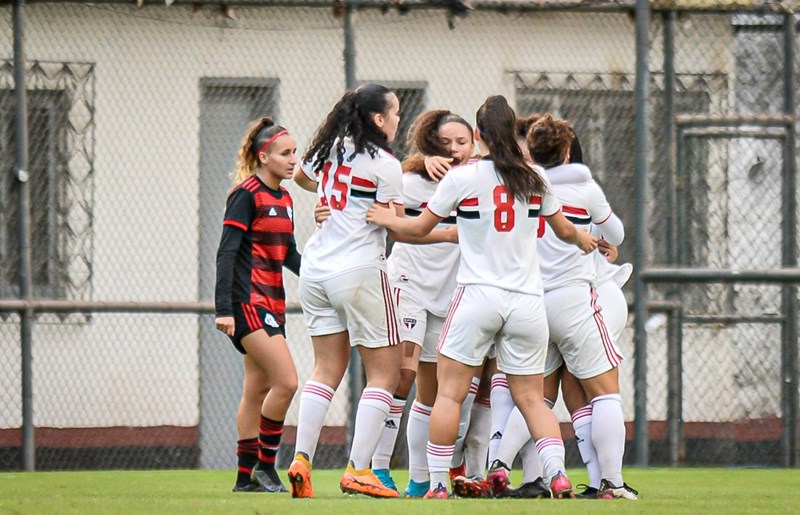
(536, 489)
(589, 492)
(248, 487)
(268, 479)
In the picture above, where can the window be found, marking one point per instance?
(601, 108)
(412, 102)
(60, 171)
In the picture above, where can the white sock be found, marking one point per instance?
(531, 465)
(582, 423)
(383, 452)
(551, 452)
(463, 423)
(315, 400)
(419, 423)
(502, 404)
(515, 435)
(608, 436)
(373, 408)
(477, 440)
(439, 457)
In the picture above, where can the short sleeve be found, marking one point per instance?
(308, 169)
(550, 204)
(390, 182)
(446, 198)
(240, 209)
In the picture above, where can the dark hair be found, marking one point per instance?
(351, 117)
(258, 134)
(549, 140)
(524, 125)
(496, 123)
(423, 135)
(575, 150)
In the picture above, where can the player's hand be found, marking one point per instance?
(226, 325)
(437, 166)
(608, 250)
(586, 242)
(321, 213)
(380, 214)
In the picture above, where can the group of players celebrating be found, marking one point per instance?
(499, 290)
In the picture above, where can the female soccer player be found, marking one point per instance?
(257, 242)
(344, 289)
(578, 328)
(498, 201)
(423, 278)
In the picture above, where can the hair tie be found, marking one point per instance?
(272, 139)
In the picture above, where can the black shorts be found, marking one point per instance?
(249, 318)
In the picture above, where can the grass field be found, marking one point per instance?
(667, 491)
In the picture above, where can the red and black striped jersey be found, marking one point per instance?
(257, 242)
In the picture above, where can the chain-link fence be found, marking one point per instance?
(135, 115)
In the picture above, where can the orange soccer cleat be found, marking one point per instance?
(364, 482)
(300, 477)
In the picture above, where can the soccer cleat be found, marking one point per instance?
(386, 478)
(471, 488)
(460, 470)
(268, 479)
(440, 492)
(589, 492)
(497, 477)
(248, 487)
(608, 490)
(415, 489)
(364, 482)
(561, 487)
(300, 477)
(536, 489)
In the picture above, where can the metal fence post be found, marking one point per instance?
(25, 293)
(640, 258)
(789, 395)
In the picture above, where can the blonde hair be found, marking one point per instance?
(258, 134)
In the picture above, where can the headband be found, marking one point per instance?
(271, 140)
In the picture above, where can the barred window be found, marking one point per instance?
(412, 102)
(60, 120)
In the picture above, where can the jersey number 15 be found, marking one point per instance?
(338, 186)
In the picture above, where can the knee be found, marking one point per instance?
(407, 378)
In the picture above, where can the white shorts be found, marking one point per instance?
(358, 301)
(418, 325)
(479, 312)
(579, 335)
(615, 308)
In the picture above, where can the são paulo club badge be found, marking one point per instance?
(409, 322)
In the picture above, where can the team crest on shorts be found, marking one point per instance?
(270, 320)
(409, 322)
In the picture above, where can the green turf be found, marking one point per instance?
(685, 490)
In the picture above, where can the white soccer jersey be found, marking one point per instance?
(425, 272)
(496, 232)
(345, 241)
(582, 203)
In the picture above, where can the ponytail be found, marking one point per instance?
(351, 117)
(496, 123)
(258, 138)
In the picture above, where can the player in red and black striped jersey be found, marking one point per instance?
(257, 242)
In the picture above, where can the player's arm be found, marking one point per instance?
(293, 258)
(566, 231)
(401, 228)
(226, 258)
(302, 179)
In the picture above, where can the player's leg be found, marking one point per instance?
(580, 411)
(366, 302)
(413, 326)
(522, 356)
(480, 425)
(268, 362)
